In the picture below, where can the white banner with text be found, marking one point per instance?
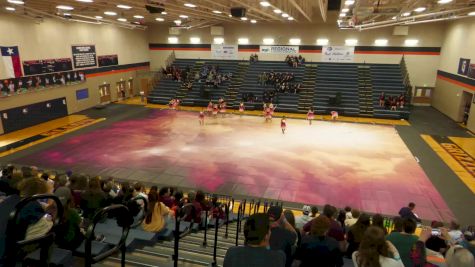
(338, 53)
(219, 51)
(279, 49)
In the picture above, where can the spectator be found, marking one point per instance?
(459, 257)
(155, 219)
(405, 240)
(318, 249)
(68, 234)
(348, 214)
(164, 196)
(378, 221)
(314, 212)
(397, 223)
(335, 231)
(436, 242)
(283, 236)
(341, 218)
(408, 212)
(356, 233)
(289, 216)
(255, 253)
(455, 233)
(375, 251)
(93, 198)
(78, 186)
(355, 214)
(300, 221)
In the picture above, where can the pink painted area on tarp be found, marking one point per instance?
(364, 166)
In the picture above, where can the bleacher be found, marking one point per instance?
(331, 79)
(194, 97)
(387, 78)
(287, 102)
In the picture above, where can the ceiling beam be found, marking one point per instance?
(214, 2)
(299, 8)
(257, 10)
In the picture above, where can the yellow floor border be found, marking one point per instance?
(455, 166)
(297, 115)
(50, 135)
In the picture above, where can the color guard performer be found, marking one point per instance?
(241, 109)
(310, 115)
(334, 115)
(202, 118)
(283, 124)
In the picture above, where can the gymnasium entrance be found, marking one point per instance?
(105, 93)
(465, 107)
(121, 93)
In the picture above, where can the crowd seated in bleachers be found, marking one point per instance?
(253, 58)
(294, 61)
(303, 241)
(281, 83)
(392, 102)
(175, 73)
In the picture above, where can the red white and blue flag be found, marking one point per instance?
(11, 61)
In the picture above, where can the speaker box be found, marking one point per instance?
(217, 30)
(401, 30)
(153, 9)
(238, 12)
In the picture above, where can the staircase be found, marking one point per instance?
(365, 90)
(307, 91)
(183, 91)
(231, 95)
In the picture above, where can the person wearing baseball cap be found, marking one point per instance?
(283, 236)
(300, 221)
(255, 252)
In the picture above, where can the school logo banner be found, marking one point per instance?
(224, 51)
(279, 49)
(338, 53)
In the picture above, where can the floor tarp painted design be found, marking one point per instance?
(364, 166)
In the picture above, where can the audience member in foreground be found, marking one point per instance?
(283, 236)
(255, 253)
(356, 233)
(300, 221)
(459, 257)
(335, 231)
(155, 220)
(318, 247)
(375, 251)
(405, 241)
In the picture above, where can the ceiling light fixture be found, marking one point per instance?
(342, 15)
(67, 14)
(9, 8)
(16, 2)
(294, 41)
(217, 12)
(243, 41)
(411, 42)
(444, 1)
(164, 13)
(138, 17)
(268, 41)
(351, 42)
(177, 22)
(161, 19)
(98, 17)
(285, 15)
(63, 7)
(322, 41)
(290, 18)
(172, 40)
(381, 42)
(122, 19)
(277, 11)
(195, 40)
(244, 18)
(405, 14)
(349, 2)
(471, 14)
(85, 1)
(183, 16)
(218, 40)
(264, 3)
(189, 5)
(394, 17)
(344, 10)
(110, 13)
(420, 9)
(253, 21)
(124, 6)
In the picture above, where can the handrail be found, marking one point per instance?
(13, 245)
(205, 243)
(124, 219)
(239, 221)
(216, 226)
(179, 216)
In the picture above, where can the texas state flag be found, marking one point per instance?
(11, 61)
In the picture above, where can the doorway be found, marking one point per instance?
(422, 96)
(105, 93)
(130, 86)
(121, 93)
(465, 106)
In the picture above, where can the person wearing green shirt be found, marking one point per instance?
(405, 241)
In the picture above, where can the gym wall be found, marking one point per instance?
(422, 64)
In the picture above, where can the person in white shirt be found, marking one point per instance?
(355, 214)
(375, 251)
(455, 233)
(300, 221)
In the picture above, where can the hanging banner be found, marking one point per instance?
(471, 71)
(35, 67)
(338, 53)
(464, 66)
(279, 49)
(219, 51)
(109, 60)
(84, 56)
